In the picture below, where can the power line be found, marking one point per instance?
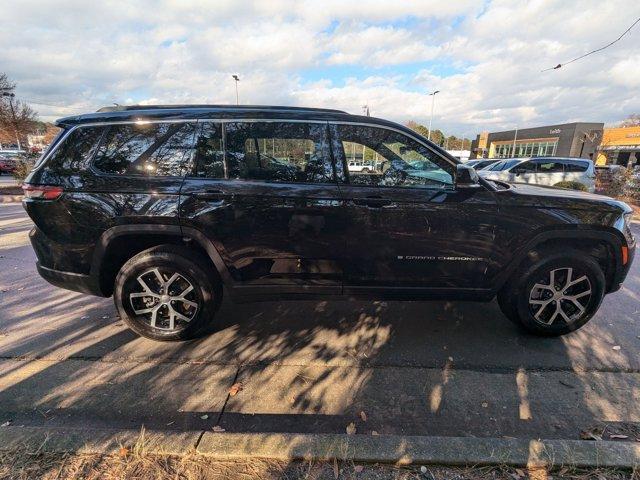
(594, 51)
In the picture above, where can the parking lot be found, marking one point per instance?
(416, 368)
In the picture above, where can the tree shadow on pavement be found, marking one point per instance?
(412, 368)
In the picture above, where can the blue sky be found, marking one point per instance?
(485, 57)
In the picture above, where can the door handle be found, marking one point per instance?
(208, 194)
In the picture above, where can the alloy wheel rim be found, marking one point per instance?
(562, 295)
(164, 300)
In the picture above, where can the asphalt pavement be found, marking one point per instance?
(412, 368)
(7, 180)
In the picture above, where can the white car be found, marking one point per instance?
(549, 171)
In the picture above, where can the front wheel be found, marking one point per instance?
(556, 295)
(164, 294)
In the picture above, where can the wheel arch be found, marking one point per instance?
(120, 243)
(603, 245)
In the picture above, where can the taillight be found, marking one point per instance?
(45, 192)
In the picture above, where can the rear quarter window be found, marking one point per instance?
(74, 151)
(150, 149)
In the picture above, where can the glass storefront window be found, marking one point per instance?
(525, 149)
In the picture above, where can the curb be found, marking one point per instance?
(358, 448)
(10, 198)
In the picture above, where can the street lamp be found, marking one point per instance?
(237, 79)
(433, 100)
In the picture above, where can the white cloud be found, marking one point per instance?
(486, 59)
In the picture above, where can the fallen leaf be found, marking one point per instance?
(363, 416)
(423, 469)
(591, 434)
(351, 428)
(170, 423)
(520, 473)
(336, 472)
(235, 389)
(621, 437)
(485, 404)
(123, 452)
(374, 433)
(218, 429)
(358, 468)
(616, 347)
(204, 417)
(6, 424)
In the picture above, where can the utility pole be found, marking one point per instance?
(433, 100)
(515, 137)
(237, 79)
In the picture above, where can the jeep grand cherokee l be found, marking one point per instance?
(167, 207)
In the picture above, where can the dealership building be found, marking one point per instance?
(620, 146)
(578, 139)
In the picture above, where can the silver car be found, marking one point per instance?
(549, 171)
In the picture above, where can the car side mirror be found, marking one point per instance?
(466, 177)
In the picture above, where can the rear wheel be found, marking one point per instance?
(164, 294)
(555, 295)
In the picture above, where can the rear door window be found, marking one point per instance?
(149, 149)
(290, 152)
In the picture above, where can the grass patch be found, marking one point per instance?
(136, 464)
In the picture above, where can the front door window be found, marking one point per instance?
(381, 157)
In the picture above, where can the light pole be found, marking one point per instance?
(515, 139)
(237, 79)
(433, 100)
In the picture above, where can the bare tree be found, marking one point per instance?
(17, 119)
(5, 83)
(632, 120)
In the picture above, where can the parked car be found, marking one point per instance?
(170, 208)
(360, 166)
(481, 163)
(548, 171)
(7, 164)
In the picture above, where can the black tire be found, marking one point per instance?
(169, 260)
(536, 309)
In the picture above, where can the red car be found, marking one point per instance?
(7, 165)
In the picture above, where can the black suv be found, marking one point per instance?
(167, 207)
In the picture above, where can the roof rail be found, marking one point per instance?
(126, 108)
